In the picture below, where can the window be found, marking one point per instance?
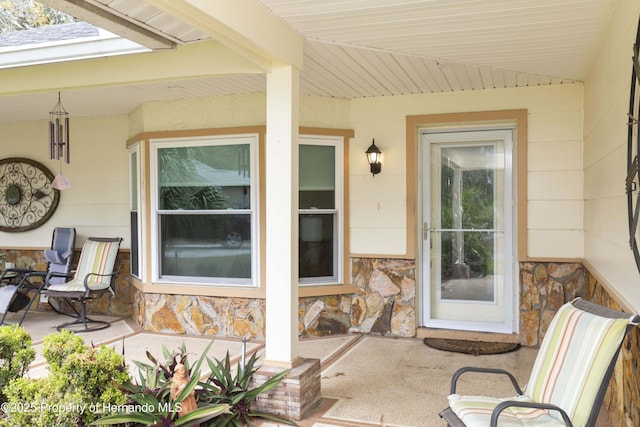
(205, 210)
(197, 227)
(134, 217)
(320, 210)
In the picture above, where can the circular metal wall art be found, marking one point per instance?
(27, 199)
(633, 145)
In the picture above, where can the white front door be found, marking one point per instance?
(468, 235)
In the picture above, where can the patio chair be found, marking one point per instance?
(569, 377)
(20, 281)
(94, 277)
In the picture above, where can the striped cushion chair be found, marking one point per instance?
(568, 380)
(95, 276)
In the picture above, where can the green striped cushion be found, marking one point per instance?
(571, 363)
(96, 257)
(573, 359)
(475, 411)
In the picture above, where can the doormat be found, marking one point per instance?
(476, 348)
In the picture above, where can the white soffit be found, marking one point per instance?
(369, 48)
(149, 16)
(554, 38)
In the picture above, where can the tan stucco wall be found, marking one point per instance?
(605, 149)
(97, 203)
(378, 205)
(232, 111)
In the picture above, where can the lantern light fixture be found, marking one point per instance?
(374, 156)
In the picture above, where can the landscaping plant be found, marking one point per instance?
(16, 354)
(224, 398)
(150, 401)
(224, 386)
(83, 382)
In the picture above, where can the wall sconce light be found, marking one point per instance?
(373, 156)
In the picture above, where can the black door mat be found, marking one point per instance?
(471, 347)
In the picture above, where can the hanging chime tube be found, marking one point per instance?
(66, 144)
(59, 132)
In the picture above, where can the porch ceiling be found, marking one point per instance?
(367, 48)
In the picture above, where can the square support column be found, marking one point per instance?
(296, 396)
(282, 217)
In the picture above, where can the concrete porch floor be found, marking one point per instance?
(366, 380)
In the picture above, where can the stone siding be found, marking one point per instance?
(544, 288)
(201, 315)
(622, 401)
(383, 304)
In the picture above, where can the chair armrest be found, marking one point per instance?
(28, 275)
(16, 272)
(508, 403)
(35, 273)
(19, 270)
(459, 372)
(86, 278)
(16, 275)
(51, 274)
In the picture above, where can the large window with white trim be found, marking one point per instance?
(205, 210)
(197, 226)
(320, 210)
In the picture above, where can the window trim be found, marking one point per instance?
(339, 200)
(510, 117)
(156, 144)
(137, 181)
(345, 286)
(147, 285)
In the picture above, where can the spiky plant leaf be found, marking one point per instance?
(140, 418)
(202, 415)
(271, 417)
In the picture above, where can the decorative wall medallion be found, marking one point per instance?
(633, 143)
(27, 199)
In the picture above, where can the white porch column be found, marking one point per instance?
(282, 216)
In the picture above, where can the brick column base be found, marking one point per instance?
(296, 395)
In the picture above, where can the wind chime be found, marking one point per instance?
(59, 142)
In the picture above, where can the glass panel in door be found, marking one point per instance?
(466, 217)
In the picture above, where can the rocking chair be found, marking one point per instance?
(94, 277)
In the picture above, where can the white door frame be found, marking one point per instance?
(511, 272)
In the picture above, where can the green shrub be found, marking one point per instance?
(58, 347)
(83, 383)
(16, 354)
(40, 402)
